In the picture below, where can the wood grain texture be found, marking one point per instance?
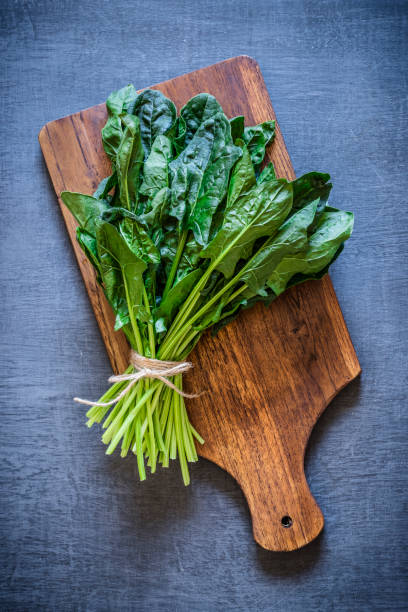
(271, 373)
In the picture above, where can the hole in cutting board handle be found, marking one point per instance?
(286, 521)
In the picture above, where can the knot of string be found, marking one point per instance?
(145, 367)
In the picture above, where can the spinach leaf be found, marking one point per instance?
(175, 297)
(256, 139)
(310, 187)
(117, 105)
(268, 174)
(121, 272)
(200, 176)
(87, 243)
(242, 176)
(155, 215)
(128, 161)
(86, 209)
(105, 186)
(256, 214)
(139, 241)
(192, 115)
(237, 127)
(157, 115)
(291, 238)
(156, 167)
(332, 230)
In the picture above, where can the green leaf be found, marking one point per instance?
(267, 174)
(256, 214)
(192, 115)
(117, 105)
(176, 296)
(105, 186)
(200, 176)
(310, 187)
(86, 209)
(122, 273)
(256, 138)
(155, 214)
(333, 228)
(156, 167)
(291, 238)
(139, 241)
(157, 115)
(87, 243)
(242, 176)
(129, 159)
(237, 127)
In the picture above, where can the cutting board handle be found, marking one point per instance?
(288, 521)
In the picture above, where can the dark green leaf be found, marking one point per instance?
(87, 243)
(157, 115)
(122, 273)
(267, 174)
(291, 238)
(237, 127)
(200, 176)
(333, 228)
(256, 138)
(156, 213)
(105, 186)
(242, 176)
(117, 105)
(256, 214)
(86, 209)
(139, 241)
(176, 296)
(310, 187)
(196, 112)
(156, 167)
(129, 159)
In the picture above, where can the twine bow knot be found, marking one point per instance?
(146, 367)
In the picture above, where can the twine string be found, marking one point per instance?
(146, 367)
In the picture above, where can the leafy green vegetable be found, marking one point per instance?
(184, 234)
(237, 127)
(86, 209)
(129, 158)
(117, 105)
(200, 176)
(156, 167)
(256, 139)
(268, 173)
(256, 214)
(157, 115)
(332, 230)
(196, 112)
(121, 272)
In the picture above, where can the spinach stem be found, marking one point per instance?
(150, 328)
(174, 265)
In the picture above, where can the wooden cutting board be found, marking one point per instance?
(270, 373)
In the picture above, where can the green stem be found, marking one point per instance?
(127, 422)
(150, 328)
(139, 450)
(174, 265)
(118, 416)
(179, 434)
(135, 327)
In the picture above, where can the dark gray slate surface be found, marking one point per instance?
(79, 532)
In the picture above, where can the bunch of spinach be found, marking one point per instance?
(185, 232)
